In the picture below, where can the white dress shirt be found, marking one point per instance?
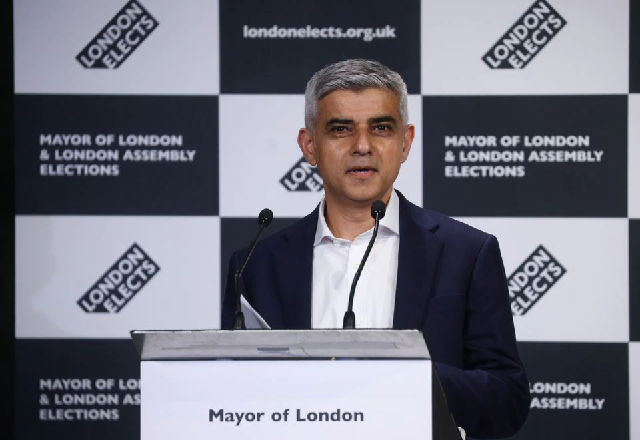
(335, 262)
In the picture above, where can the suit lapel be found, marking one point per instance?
(418, 257)
(294, 270)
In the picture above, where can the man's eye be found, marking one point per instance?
(338, 128)
(382, 127)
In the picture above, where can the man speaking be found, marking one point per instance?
(426, 271)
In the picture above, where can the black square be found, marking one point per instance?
(51, 373)
(173, 170)
(634, 279)
(578, 390)
(470, 169)
(284, 42)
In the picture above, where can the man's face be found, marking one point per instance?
(359, 145)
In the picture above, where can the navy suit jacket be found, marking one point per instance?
(451, 286)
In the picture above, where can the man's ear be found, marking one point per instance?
(305, 142)
(409, 134)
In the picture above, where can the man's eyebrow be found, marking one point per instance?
(338, 121)
(380, 119)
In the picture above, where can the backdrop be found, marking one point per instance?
(149, 134)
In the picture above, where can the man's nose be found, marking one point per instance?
(362, 143)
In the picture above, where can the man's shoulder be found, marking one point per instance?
(302, 229)
(444, 226)
(457, 227)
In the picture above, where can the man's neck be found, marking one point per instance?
(348, 221)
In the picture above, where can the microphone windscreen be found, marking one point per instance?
(265, 217)
(378, 209)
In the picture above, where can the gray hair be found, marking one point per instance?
(354, 75)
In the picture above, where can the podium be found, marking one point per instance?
(289, 384)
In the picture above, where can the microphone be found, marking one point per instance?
(264, 220)
(378, 209)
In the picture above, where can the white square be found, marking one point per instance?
(59, 258)
(634, 155)
(179, 56)
(590, 54)
(409, 180)
(251, 166)
(590, 302)
(634, 389)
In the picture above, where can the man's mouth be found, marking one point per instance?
(361, 171)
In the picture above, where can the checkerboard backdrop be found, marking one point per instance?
(149, 134)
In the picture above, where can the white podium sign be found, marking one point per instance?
(289, 384)
(286, 399)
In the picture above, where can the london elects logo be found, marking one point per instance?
(302, 177)
(120, 283)
(119, 38)
(526, 38)
(532, 279)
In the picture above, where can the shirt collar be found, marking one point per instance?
(390, 222)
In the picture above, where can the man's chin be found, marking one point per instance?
(366, 199)
(362, 196)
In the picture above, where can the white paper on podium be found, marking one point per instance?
(252, 318)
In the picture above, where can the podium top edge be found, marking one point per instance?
(279, 344)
